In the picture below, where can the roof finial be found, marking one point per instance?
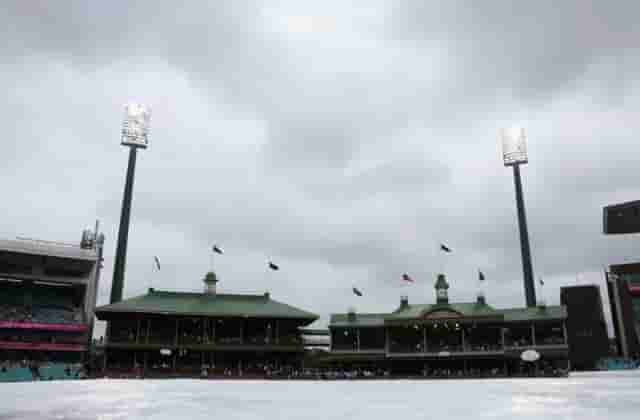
(210, 280)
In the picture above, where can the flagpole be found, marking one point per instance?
(153, 263)
(406, 286)
(269, 275)
(155, 268)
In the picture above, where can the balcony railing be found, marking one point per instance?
(122, 337)
(435, 349)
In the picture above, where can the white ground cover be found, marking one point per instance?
(584, 396)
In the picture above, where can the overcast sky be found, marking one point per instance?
(342, 141)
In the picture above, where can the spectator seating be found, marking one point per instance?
(45, 372)
(49, 314)
(16, 374)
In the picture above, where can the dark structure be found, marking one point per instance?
(135, 130)
(451, 339)
(623, 284)
(123, 231)
(586, 326)
(621, 218)
(525, 249)
(47, 298)
(201, 334)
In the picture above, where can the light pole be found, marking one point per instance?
(135, 129)
(514, 153)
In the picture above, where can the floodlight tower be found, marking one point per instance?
(514, 153)
(135, 129)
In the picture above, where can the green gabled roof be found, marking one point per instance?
(537, 313)
(471, 309)
(465, 309)
(361, 320)
(201, 304)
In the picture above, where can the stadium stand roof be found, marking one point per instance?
(47, 248)
(470, 310)
(202, 304)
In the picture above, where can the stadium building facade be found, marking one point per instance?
(165, 333)
(586, 326)
(47, 298)
(451, 339)
(623, 284)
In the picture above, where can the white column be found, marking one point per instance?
(424, 340)
(533, 333)
(330, 340)
(462, 336)
(387, 333)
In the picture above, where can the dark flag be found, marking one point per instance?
(357, 292)
(157, 260)
(273, 266)
(444, 248)
(480, 275)
(217, 250)
(406, 278)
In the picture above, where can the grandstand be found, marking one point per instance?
(186, 334)
(47, 297)
(452, 339)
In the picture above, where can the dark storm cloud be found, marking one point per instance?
(347, 150)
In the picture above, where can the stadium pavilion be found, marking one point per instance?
(166, 333)
(452, 339)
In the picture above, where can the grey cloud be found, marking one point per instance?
(532, 50)
(348, 156)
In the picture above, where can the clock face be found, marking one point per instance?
(441, 293)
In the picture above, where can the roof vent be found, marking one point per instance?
(404, 302)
